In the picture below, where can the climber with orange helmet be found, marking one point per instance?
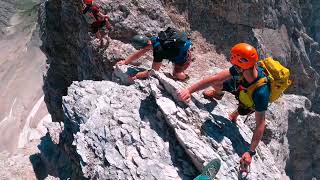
(241, 75)
(100, 20)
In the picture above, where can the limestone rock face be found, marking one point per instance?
(120, 135)
(291, 137)
(302, 136)
(123, 134)
(112, 128)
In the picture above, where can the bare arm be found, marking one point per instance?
(206, 82)
(137, 54)
(258, 132)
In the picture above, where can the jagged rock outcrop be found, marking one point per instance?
(303, 139)
(276, 28)
(133, 142)
(115, 136)
(124, 137)
(70, 57)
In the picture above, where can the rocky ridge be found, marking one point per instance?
(93, 118)
(136, 132)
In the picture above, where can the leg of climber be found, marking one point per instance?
(217, 92)
(96, 28)
(106, 37)
(100, 37)
(179, 68)
(241, 110)
(105, 31)
(178, 72)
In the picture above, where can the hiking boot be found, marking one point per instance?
(187, 77)
(209, 94)
(183, 77)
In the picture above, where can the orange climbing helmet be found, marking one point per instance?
(87, 2)
(244, 55)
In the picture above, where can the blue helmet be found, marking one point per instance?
(140, 41)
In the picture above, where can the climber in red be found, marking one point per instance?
(242, 74)
(101, 20)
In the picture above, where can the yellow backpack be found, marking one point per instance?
(277, 76)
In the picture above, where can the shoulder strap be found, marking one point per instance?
(155, 41)
(256, 85)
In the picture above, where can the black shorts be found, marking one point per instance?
(182, 66)
(231, 86)
(95, 26)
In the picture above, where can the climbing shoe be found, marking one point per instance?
(210, 171)
(209, 94)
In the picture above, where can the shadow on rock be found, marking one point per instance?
(57, 160)
(148, 112)
(132, 71)
(220, 127)
(50, 161)
(209, 106)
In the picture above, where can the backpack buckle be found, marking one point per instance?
(241, 88)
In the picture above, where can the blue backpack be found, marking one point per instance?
(172, 44)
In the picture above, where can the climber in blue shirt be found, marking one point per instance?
(238, 80)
